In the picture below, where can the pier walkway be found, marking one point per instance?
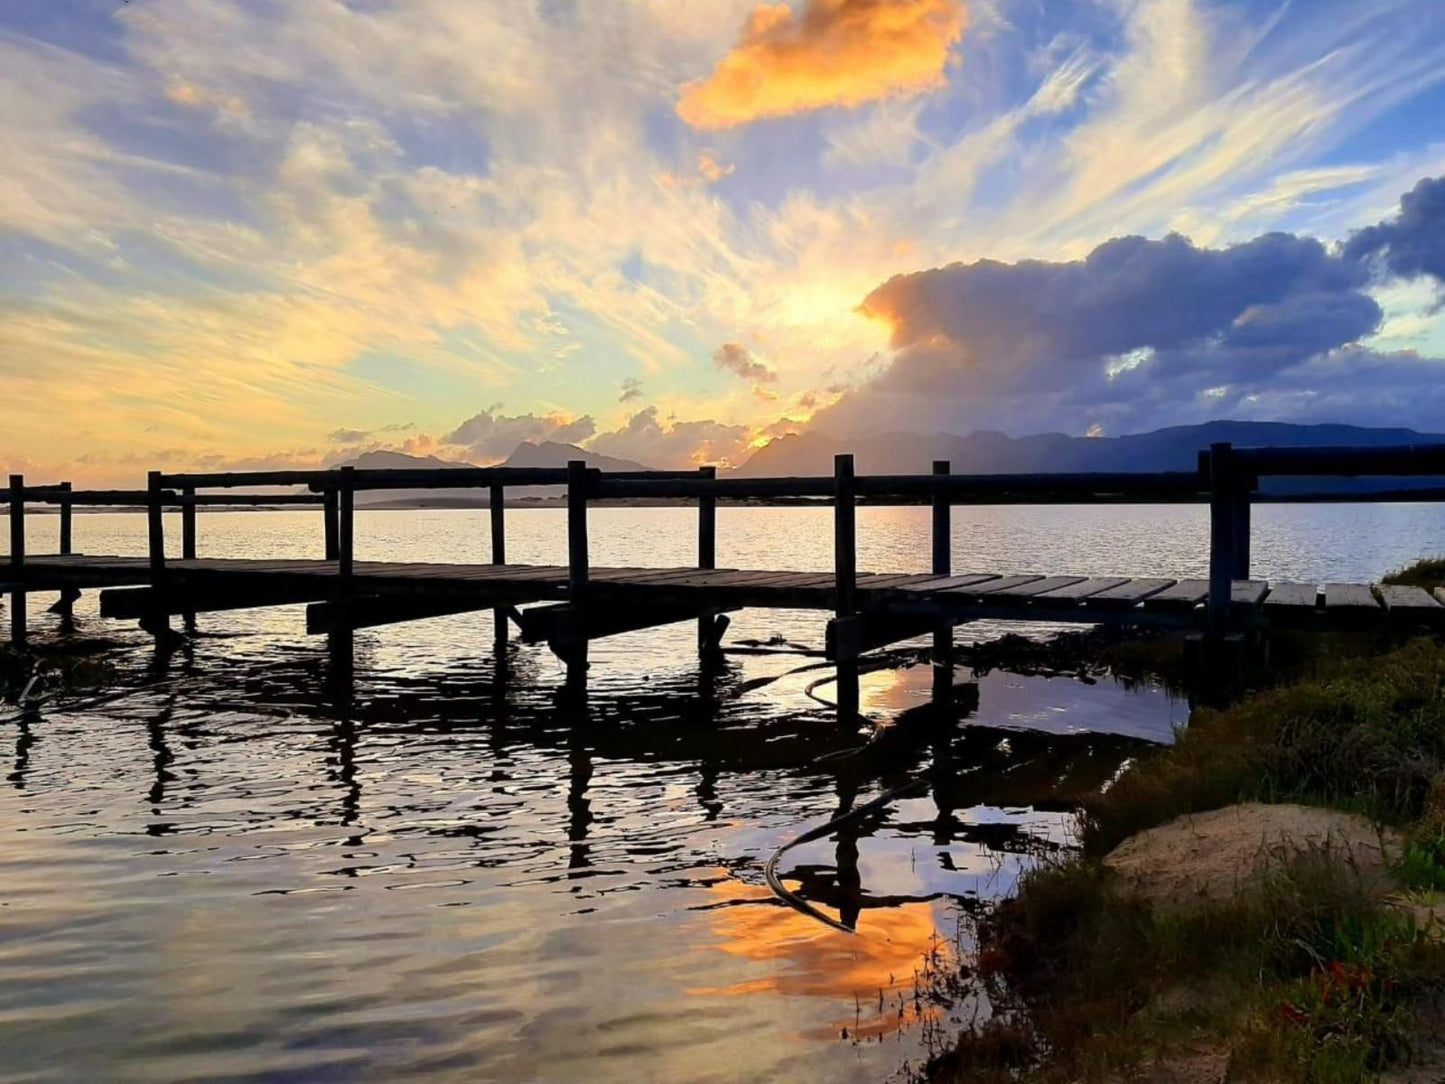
(567, 606)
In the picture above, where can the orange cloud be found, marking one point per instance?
(836, 53)
(711, 169)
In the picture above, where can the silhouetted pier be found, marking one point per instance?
(567, 606)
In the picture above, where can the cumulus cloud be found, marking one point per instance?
(1413, 242)
(738, 359)
(348, 436)
(631, 389)
(491, 435)
(674, 443)
(834, 53)
(1142, 333)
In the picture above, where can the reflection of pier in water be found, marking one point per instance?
(965, 765)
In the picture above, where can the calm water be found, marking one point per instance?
(246, 868)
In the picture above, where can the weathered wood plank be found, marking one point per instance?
(948, 583)
(1409, 601)
(1247, 592)
(1129, 593)
(1077, 592)
(898, 581)
(1001, 583)
(1294, 596)
(1185, 594)
(1350, 596)
(1028, 590)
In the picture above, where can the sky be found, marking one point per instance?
(251, 233)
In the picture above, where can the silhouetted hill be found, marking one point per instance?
(550, 453)
(382, 460)
(1174, 448)
(526, 454)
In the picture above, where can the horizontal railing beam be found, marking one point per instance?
(169, 498)
(232, 479)
(610, 487)
(1401, 460)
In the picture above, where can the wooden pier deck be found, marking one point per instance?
(566, 606)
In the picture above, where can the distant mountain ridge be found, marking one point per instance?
(1173, 448)
(550, 453)
(545, 454)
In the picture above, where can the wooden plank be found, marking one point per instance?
(1293, 596)
(1029, 590)
(1185, 594)
(1247, 592)
(1129, 593)
(1350, 596)
(1409, 601)
(999, 584)
(947, 583)
(898, 580)
(1077, 592)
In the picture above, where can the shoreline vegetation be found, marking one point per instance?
(1261, 900)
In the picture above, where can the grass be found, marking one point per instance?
(1428, 572)
(1368, 735)
(1311, 975)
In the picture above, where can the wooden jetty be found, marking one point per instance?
(568, 606)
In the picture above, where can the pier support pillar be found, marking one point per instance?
(708, 636)
(497, 511)
(18, 629)
(942, 565)
(845, 579)
(157, 621)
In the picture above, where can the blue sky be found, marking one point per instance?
(284, 231)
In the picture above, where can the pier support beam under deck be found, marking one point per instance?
(942, 565)
(574, 653)
(497, 511)
(845, 578)
(18, 617)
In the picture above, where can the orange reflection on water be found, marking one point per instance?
(808, 959)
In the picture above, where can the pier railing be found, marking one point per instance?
(1226, 478)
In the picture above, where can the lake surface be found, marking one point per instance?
(244, 867)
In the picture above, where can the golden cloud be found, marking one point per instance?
(835, 53)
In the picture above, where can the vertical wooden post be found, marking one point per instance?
(497, 507)
(497, 510)
(1222, 562)
(577, 568)
(17, 559)
(157, 622)
(66, 512)
(574, 653)
(942, 565)
(845, 575)
(346, 525)
(188, 523)
(331, 527)
(155, 526)
(845, 536)
(706, 556)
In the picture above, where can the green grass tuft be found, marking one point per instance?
(1428, 572)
